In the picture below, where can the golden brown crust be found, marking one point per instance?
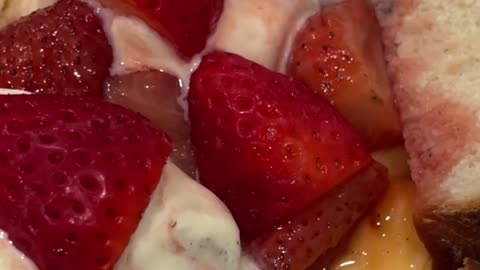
(450, 237)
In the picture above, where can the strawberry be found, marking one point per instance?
(76, 175)
(154, 94)
(339, 54)
(296, 244)
(266, 144)
(58, 50)
(186, 23)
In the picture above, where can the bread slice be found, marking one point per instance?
(433, 54)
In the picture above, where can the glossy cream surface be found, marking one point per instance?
(185, 227)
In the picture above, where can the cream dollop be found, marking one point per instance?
(185, 227)
(11, 258)
(260, 30)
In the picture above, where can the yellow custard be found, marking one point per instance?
(386, 238)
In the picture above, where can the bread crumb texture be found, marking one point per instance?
(434, 60)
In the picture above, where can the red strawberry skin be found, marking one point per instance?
(264, 143)
(339, 54)
(59, 50)
(296, 244)
(186, 23)
(76, 175)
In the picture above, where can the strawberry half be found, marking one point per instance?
(76, 175)
(186, 23)
(266, 144)
(299, 242)
(58, 50)
(339, 54)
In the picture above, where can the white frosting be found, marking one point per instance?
(185, 227)
(137, 47)
(259, 30)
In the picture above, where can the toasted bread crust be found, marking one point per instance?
(450, 237)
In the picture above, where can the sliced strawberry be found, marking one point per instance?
(296, 244)
(186, 23)
(76, 175)
(155, 95)
(339, 54)
(61, 50)
(264, 143)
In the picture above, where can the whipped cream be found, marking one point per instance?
(11, 258)
(137, 47)
(12, 10)
(185, 227)
(260, 30)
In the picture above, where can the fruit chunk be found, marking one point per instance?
(339, 54)
(386, 234)
(154, 94)
(76, 176)
(61, 50)
(296, 244)
(186, 23)
(264, 143)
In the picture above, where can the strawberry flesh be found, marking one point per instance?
(58, 50)
(187, 24)
(339, 54)
(266, 144)
(298, 243)
(76, 176)
(154, 94)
